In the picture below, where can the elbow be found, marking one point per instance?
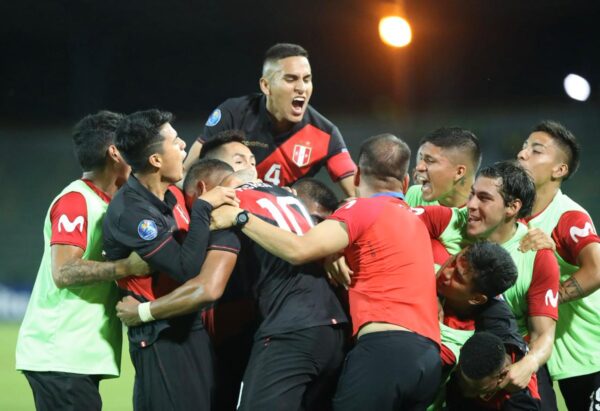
(213, 292)
(59, 280)
(299, 257)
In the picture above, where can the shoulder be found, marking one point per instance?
(318, 120)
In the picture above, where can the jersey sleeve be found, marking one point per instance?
(573, 232)
(435, 218)
(154, 240)
(224, 240)
(69, 221)
(219, 120)
(542, 296)
(357, 215)
(339, 162)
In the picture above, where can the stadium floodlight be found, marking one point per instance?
(395, 31)
(577, 87)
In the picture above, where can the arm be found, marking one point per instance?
(193, 155)
(347, 186)
(206, 287)
(541, 331)
(322, 240)
(70, 270)
(584, 281)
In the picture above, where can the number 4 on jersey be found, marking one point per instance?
(273, 174)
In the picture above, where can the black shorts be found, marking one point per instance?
(64, 391)
(174, 373)
(389, 370)
(581, 392)
(294, 371)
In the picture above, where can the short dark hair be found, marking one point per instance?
(384, 156)
(203, 170)
(494, 269)
(210, 148)
(138, 136)
(456, 138)
(283, 50)
(482, 355)
(516, 183)
(92, 135)
(317, 191)
(565, 140)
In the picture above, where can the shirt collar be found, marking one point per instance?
(163, 206)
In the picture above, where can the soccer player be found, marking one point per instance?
(289, 138)
(501, 195)
(551, 155)
(320, 200)
(70, 338)
(447, 161)
(476, 384)
(173, 359)
(468, 284)
(392, 299)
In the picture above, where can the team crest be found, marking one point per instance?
(214, 118)
(301, 155)
(147, 230)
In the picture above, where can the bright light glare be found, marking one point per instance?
(395, 31)
(577, 87)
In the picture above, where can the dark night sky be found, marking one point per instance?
(63, 59)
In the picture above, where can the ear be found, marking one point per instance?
(513, 208)
(461, 172)
(405, 183)
(264, 86)
(113, 153)
(155, 160)
(560, 171)
(478, 299)
(200, 188)
(357, 177)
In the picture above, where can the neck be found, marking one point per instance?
(104, 180)
(544, 194)
(460, 194)
(154, 184)
(504, 232)
(460, 308)
(278, 126)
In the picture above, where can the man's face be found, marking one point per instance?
(435, 171)
(238, 156)
(486, 208)
(288, 89)
(483, 388)
(541, 157)
(173, 153)
(455, 279)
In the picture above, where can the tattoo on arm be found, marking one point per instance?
(570, 290)
(83, 272)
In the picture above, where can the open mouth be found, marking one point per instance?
(298, 105)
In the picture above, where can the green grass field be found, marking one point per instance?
(16, 394)
(116, 393)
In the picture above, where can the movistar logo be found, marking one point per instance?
(551, 298)
(69, 226)
(581, 232)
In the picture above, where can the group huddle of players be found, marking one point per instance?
(247, 284)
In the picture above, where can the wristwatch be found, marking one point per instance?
(241, 219)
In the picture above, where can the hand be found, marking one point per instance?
(219, 196)
(518, 374)
(135, 265)
(536, 239)
(223, 217)
(338, 271)
(127, 311)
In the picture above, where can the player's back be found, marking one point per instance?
(289, 297)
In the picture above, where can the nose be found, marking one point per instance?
(421, 166)
(182, 144)
(300, 86)
(523, 154)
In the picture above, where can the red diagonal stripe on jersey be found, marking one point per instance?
(316, 142)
